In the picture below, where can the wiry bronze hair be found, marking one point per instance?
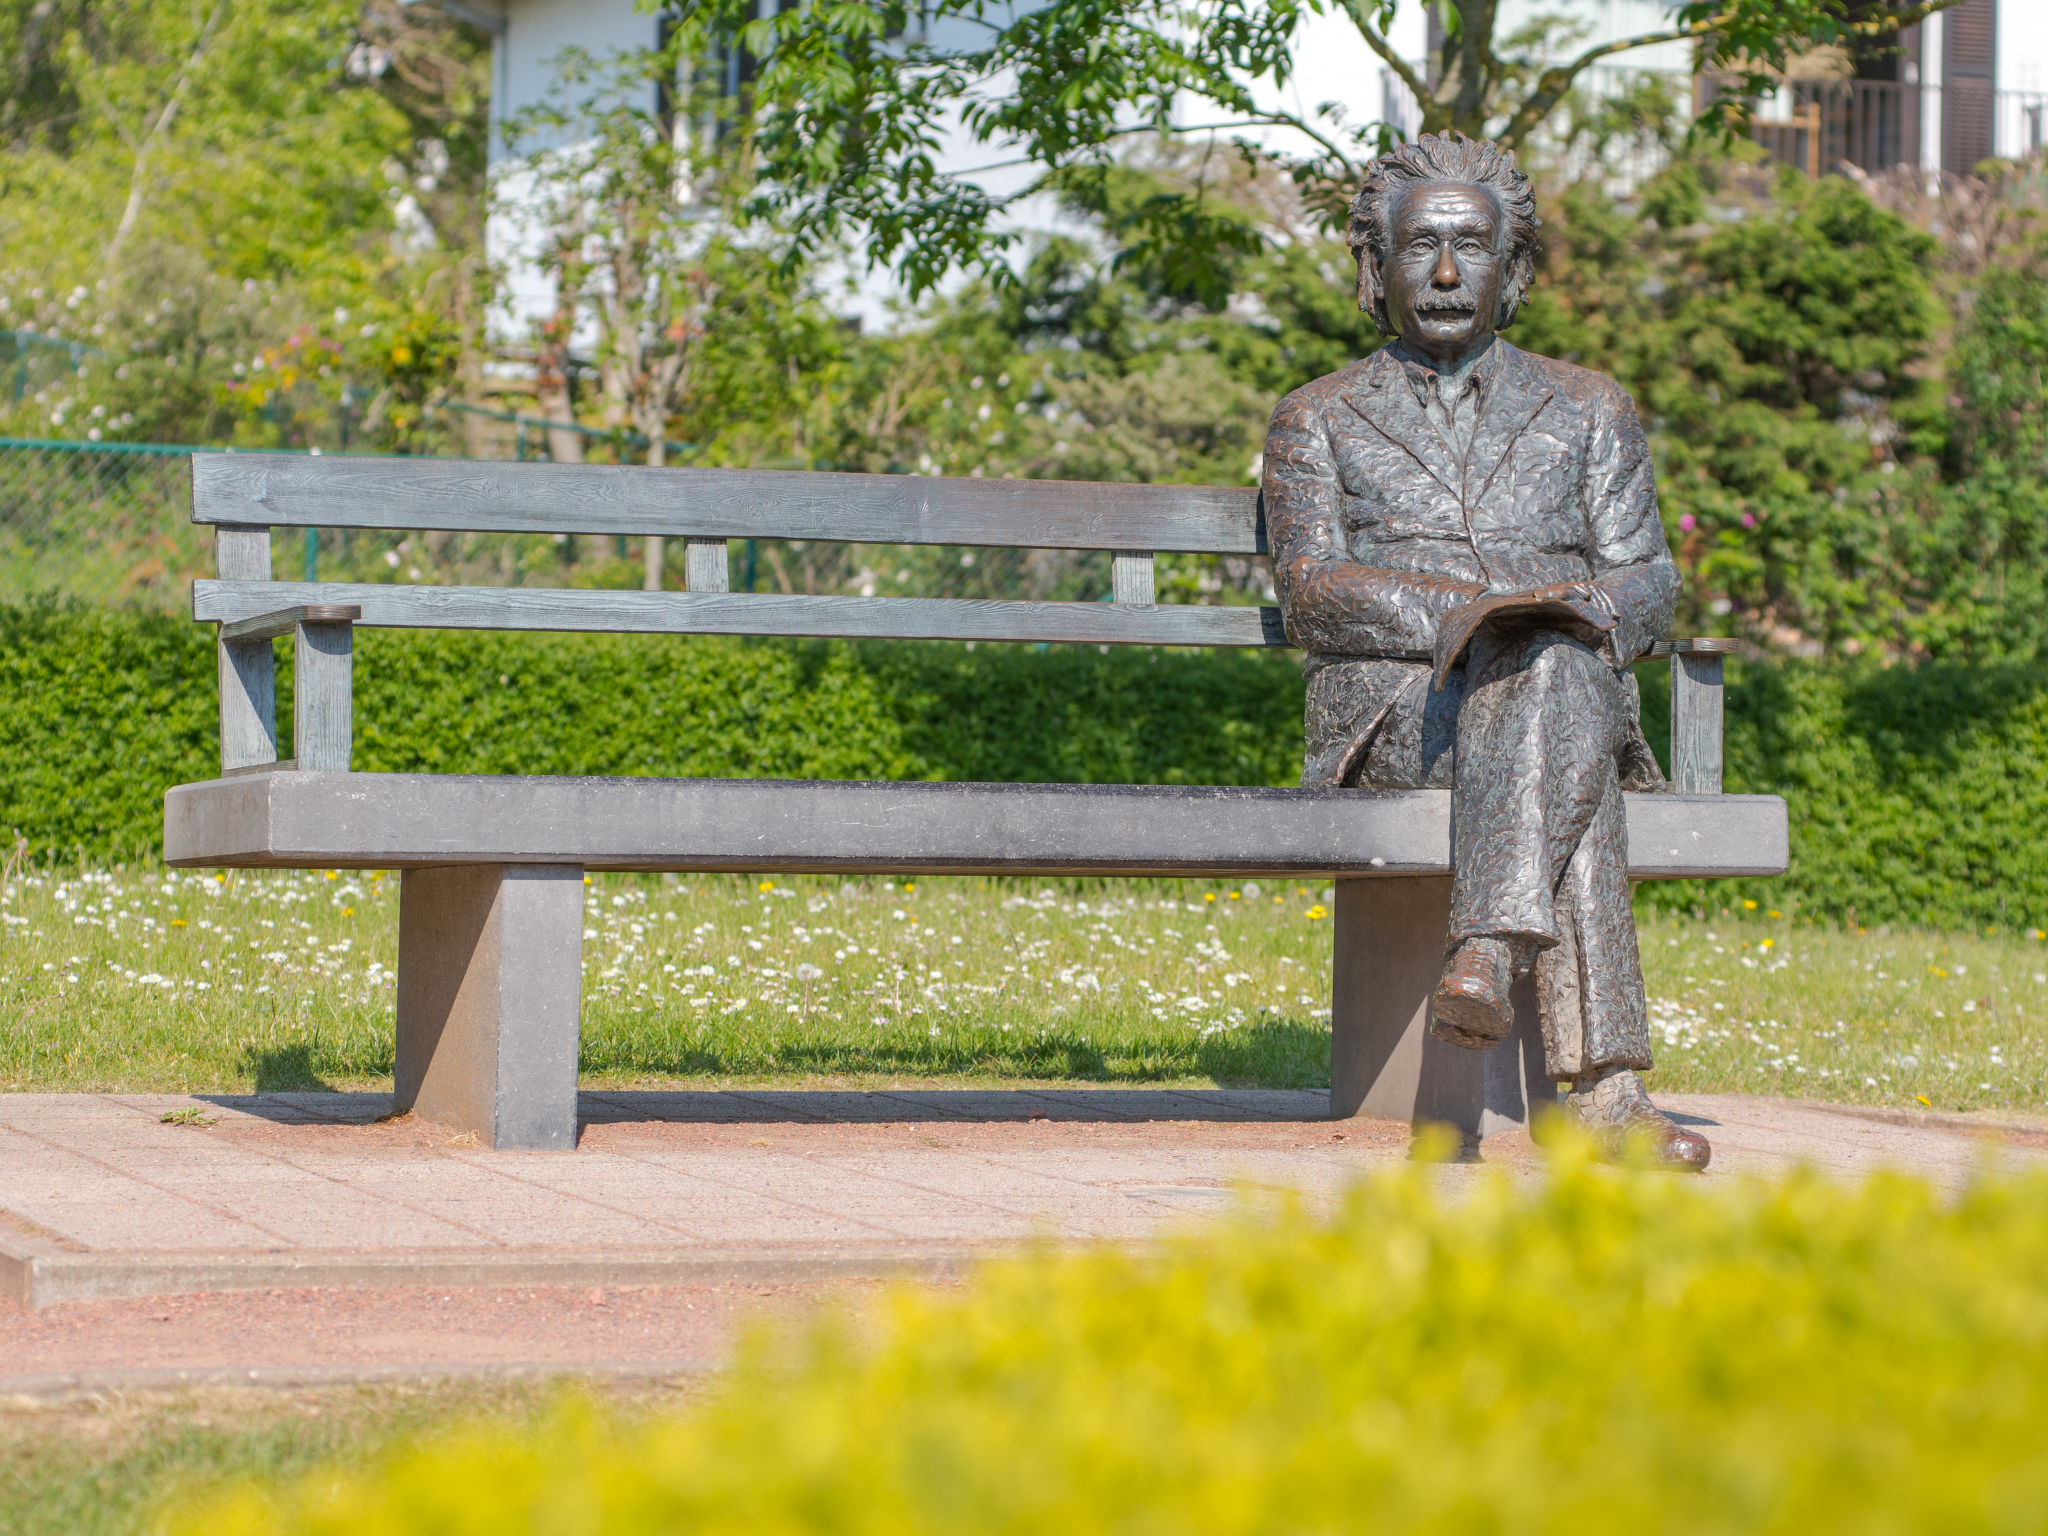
(1443, 157)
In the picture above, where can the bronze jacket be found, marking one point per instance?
(1377, 529)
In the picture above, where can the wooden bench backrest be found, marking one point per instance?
(245, 495)
(465, 495)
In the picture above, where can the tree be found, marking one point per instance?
(260, 220)
(638, 232)
(617, 200)
(852, 101)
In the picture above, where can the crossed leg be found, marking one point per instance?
(1539, 850)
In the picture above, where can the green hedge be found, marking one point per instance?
(1917, 794)
(101, 710)
(1606, 1356)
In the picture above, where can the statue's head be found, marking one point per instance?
(1444, 231)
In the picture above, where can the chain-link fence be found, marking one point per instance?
(99, 523)
(110, 523)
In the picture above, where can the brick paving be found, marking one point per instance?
(302, 1234)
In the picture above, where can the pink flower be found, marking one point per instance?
(1748, 520)
(1686, 522)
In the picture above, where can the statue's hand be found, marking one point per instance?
(1572, 608)
(1562, 592)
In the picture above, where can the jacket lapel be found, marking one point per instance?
(1517, 400)
(1386, 403)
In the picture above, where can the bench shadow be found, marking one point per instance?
(315, 1106)
(1275, 1053)
(770, 1106)
(287, 1069)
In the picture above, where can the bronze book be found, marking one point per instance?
(1454, 631)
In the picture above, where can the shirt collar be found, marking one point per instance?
(1424, 379)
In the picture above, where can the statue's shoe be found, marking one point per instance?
(1471, 1006)
(1627, 1128)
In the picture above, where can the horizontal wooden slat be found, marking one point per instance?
(1708, 646)
(723, 613)
(268, 626)
(466, 495)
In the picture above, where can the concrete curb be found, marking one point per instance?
(58, 1387)
(42, 1279)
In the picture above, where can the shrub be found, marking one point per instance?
(101, 711)
(1916, 793)
(1609, 1353)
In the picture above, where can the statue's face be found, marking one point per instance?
(1443, 269)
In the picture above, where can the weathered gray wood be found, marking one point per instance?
(739, 613)
(706, 567)
(1696, 722)
(269, 626)
(490, 990)
(464, 494)
(653, 562)
(1704, 646)
(323, 695)
(246, 669)
(388, 821)
(1131, 579)
(1388, 952)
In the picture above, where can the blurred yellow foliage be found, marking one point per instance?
(1603, 1353)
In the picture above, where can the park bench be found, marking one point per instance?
(492, 884)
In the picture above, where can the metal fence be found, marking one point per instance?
(100, 523)
(110, 523)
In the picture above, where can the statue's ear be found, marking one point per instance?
(1372, 297)
(1514, 290)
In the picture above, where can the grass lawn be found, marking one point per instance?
(109, 1464)
(156, 980)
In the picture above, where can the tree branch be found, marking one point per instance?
(138, 181)
(1554, 82)
(1405, 71)
(1251, 120)
(1900, 20)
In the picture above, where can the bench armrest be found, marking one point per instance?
(268, 626)
(323, 690)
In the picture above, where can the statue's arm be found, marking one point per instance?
(1634, 575)
(1332, 605)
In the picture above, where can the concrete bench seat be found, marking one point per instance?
(293, 820)
(491, 904)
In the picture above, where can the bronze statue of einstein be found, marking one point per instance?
(1466, 543)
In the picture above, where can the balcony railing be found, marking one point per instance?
(2020, 120)
(1821, 125)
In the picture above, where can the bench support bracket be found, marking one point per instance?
(1383, 1061)
(490, 994)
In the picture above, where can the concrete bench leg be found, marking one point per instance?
(490, 999)
(1383, 1060)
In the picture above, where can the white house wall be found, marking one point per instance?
(2022, 77)
(527, 52)
(526, 57)
(1602, 21)
(2023, 46)
(1332, 65)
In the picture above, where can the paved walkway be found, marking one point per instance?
(305, 1233)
